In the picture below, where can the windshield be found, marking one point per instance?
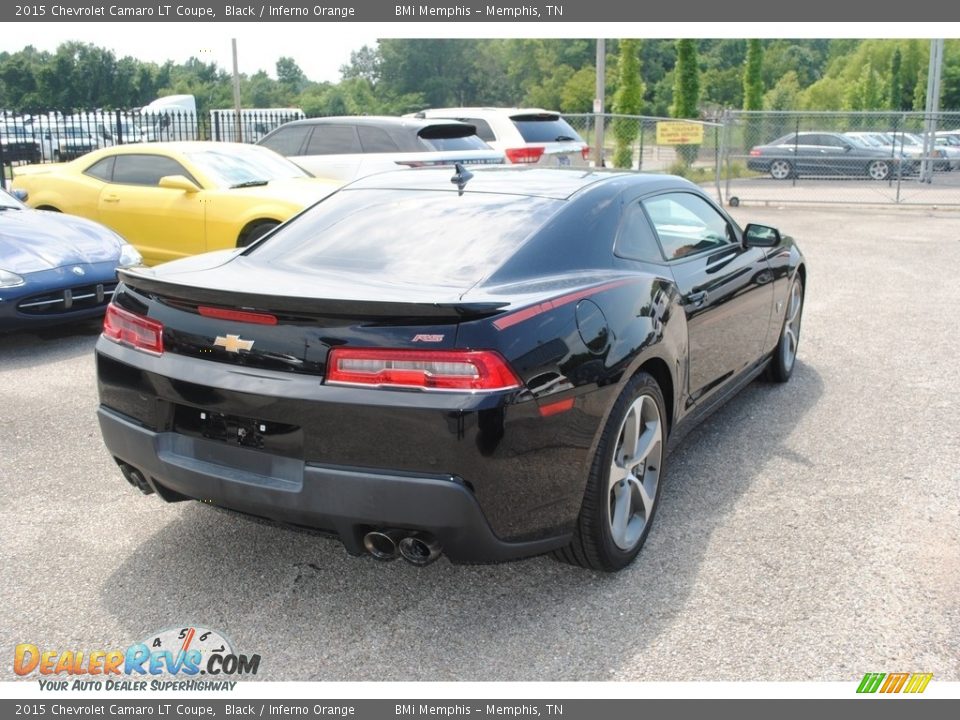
(15, 131)
(861, 141)
(545, 128)
(237, 165)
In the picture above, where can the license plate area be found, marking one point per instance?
(239, 431)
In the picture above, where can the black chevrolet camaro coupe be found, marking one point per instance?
(485, 364)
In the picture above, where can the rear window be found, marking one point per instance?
(545, 128)
(434, 238)
(450, 137)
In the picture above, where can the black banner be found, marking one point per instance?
(487, 11)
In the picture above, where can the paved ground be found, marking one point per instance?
(807, 532)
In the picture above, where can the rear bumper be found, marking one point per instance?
(346, 501)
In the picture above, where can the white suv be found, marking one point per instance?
(525, 135)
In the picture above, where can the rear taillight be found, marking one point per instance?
(524, 154)
(470, 370)
(754, 153)
(585, 152)
(135, 331)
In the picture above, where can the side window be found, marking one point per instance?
(287, 141)
(687, 224)
(145, 169)
(484, 131)
(102, 170)
(635, 239)
(333, 140)
(376, 140)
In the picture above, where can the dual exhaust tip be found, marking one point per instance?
(417, 548)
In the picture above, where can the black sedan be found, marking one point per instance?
(823, 153)
(487, 365)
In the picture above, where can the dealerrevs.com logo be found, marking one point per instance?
(890, 683)
(186, 658)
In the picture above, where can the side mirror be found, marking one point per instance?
(178, 182)
(19, 194)
(760, 236)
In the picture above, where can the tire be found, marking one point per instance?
(622, 491)
(781, 169)
(254, 232)
(785, 356)
(878, 170)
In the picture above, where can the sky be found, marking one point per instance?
(258, 45)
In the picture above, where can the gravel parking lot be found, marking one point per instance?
(807, 532)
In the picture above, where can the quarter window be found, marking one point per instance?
(687, 224)
(102, 170)
(635, 240)
(376, 140)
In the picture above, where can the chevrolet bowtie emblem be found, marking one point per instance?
(233, 343)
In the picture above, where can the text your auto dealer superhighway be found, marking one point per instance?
(119, 11)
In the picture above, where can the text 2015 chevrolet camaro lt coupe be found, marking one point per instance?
(486, 364)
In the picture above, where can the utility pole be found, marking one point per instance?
(238, 126)
(931, 110)
(599, 101)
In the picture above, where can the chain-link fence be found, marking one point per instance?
(768, 157)
(832, 157)
(652, 144)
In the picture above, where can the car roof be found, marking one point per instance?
(160, 148)
(377, 121)
(492, 111)
(555, 183)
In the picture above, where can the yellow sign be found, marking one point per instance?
(679, 133)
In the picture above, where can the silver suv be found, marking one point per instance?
(347, 148)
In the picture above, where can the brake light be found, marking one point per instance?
(238, 315)
(471, 370)
(585, 152)
(524, 154)
(754, 153)
(135, 331)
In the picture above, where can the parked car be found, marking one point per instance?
(345, 148)
(54, 268)
(487, 364)
(68, 142)
(911, 145)
(18, 143)
(822, 153)
(176, 199)
(529, 136)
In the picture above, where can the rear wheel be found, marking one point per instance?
(780, 169)
(624, 482)
(878, 170)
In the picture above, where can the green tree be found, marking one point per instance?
(628, 100)
(686, 92)
(753, 77)
(895, 87)
(290, 76)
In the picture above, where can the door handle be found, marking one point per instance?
(697, 299)
(111, 198)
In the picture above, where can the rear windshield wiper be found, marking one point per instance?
(250, 183)
(563, 138)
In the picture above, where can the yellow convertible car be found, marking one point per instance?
(175, 199)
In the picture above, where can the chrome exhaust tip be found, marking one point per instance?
(382, 544)
(419, 549)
